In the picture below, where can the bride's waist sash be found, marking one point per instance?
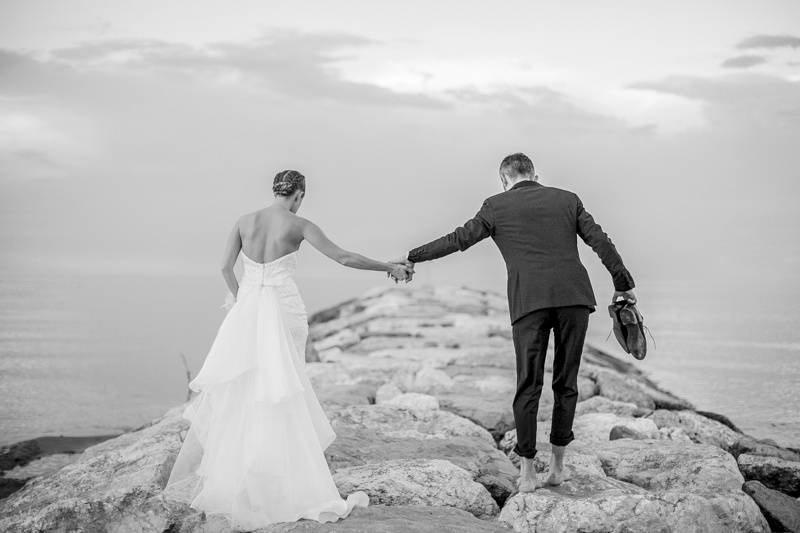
(252, 280)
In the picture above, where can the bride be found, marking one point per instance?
(254, 449)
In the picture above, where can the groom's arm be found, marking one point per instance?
(473, 231)
(593, 235)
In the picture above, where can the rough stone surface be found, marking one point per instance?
(418, 482)
(781, 511)
(773, 472)
(394, 421)
(488, 466)
(415, 401)
(386, 360)
(601, 404)
(596, 427)
(628, 485)
(699, 428)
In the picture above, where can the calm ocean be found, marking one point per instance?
(92, 354)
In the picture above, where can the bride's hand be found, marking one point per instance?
(400, 272)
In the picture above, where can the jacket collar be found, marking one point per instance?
(525, 183)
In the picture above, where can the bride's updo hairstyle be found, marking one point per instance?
(287, 182)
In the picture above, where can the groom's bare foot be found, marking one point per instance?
(555, 478)
(527, 476)
(556, 475)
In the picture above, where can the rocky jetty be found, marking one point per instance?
(418, 384)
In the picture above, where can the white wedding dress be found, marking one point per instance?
(254, 449)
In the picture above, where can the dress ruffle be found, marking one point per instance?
(254, 451)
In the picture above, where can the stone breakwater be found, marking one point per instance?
(418, 384)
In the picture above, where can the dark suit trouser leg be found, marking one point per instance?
(569, 332)
(531, 334)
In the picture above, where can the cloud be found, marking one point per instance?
(745, 61)
(288, 62)
(769, 41)
(541, 106)
(764, 98)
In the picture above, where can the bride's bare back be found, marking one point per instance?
(275, 231)
(270, 233)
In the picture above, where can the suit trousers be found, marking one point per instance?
(531, 335)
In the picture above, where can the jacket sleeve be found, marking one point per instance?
(473, 231)
(593, 235)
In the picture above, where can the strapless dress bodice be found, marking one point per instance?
(273, 274)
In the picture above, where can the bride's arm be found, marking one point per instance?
(232, 248)
(314, 235)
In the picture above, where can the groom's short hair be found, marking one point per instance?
(517, 164)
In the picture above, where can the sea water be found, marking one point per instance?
(86, 354)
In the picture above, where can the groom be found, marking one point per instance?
(536, 229)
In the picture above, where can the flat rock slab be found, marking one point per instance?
(699, 428)
(418, 482)
(773, 472)
(395, 421)
(781, 511)
(113, 485)
(397, 519)
(488, 466)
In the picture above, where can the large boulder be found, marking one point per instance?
(781, 511)
(390, 519)
(601, 404)
(699, 428)
(492, 413)
(596, 427)
(418, 482)
(773, 472)
(488, 466)
(114, 486)
(397, 421)
(627, 485)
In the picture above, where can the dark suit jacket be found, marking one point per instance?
(536, 229)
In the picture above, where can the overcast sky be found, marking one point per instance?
(133, 134)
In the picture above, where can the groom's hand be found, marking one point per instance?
(407, 270)
(627, 296)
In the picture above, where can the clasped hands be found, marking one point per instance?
(403, 270)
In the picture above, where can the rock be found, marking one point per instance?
(312, 355)
(773, 472)
(587, 388)
(418, 482)
(415, 401)
(628, 485)
(493, 414)
(781, 511)
(587, 504)
(674, 434)
(342, 395)
(396, 421)
(114, 486)
(578, 461)
(662, 465)
(596, 427)
(615, 387)
(487, 465)
(343, 340)
(699, 428)
(431, 380)
(508, 441)
(601, 404)
(386, 392)
(392, 519)
(753, 446)
(700, 480)
(724, 420)
(624, 432)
